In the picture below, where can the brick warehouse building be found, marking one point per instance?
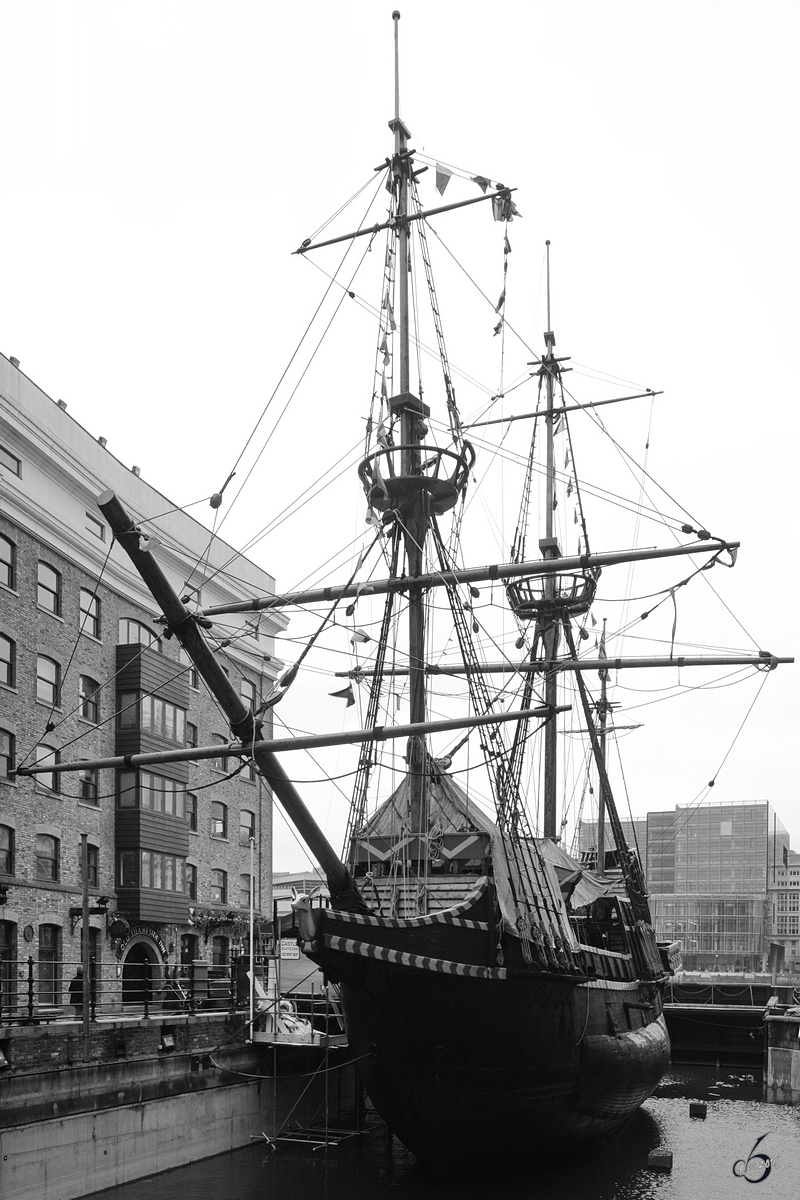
(85, 673)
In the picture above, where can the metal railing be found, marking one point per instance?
(34, 992)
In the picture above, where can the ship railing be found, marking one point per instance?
(34, 991)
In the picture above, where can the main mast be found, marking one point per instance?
(550, 549)
(415, 524)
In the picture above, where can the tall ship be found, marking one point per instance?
(500, 993)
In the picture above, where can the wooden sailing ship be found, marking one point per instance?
(498, 994)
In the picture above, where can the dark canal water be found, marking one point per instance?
(374, 1166)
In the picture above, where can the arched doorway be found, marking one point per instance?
(141, 973)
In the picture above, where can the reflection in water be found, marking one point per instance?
(374, 1166)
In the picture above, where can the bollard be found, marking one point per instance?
(698, 1109)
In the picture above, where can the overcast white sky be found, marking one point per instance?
(161, 160)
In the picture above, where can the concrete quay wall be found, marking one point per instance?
(70, 1157)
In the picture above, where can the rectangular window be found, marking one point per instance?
(49, 964)
(127, 869)
(95, 527)
(191, 811)
(10, 462)
(191, 881)
(160, 794)
(90, 613)
(48, 592)
(8, 661)
(247, 691)
(8, 562)
(163, 719)
(244, 891)
(126, 789)
(128, 710)
(191, 734)
(48, 681)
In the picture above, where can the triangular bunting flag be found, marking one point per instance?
(390, 318)
(345, 694)
(443, 177)
(481, 181)
(501, 301)
(507, 246)
(498, 326)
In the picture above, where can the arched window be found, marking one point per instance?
(49, 964)
(6, 753)
(48, 681)
(87, 780)
(247, 826)
(48, 852)
(191, 670)
(219, 887)
(133, 632)
(8, 661)
(219, 951)
(90, 699)
(48, 593)
(48, 779)
(189, 948)
(90, 613)
(8, 966)
(8, 562)
(6, 850)
(219, 819)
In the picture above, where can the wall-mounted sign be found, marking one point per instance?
(289, 948)
(143, 931)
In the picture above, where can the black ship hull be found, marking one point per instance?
(469, 1063)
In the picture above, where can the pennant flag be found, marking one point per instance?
(569, 488)
(390, 318)
(507, 247)
(557, 423)
(481, 181)
(345, 694)
(443, 177)
(384, 350)
(594, 621)
(566, 460)
(575, 522)
(501, 301)
(383, 386)
(396, 701)
(498, 326)
(382, 435)
(359, 636)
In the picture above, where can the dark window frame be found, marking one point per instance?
(88, 694)
(41, 857)
(8, 565)
(8, 747)
(49, 592)
(53, 686)
(90, 611)
(9, 661)
(219, 818)
(218, 884)
(9, 460)
(7, 857)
